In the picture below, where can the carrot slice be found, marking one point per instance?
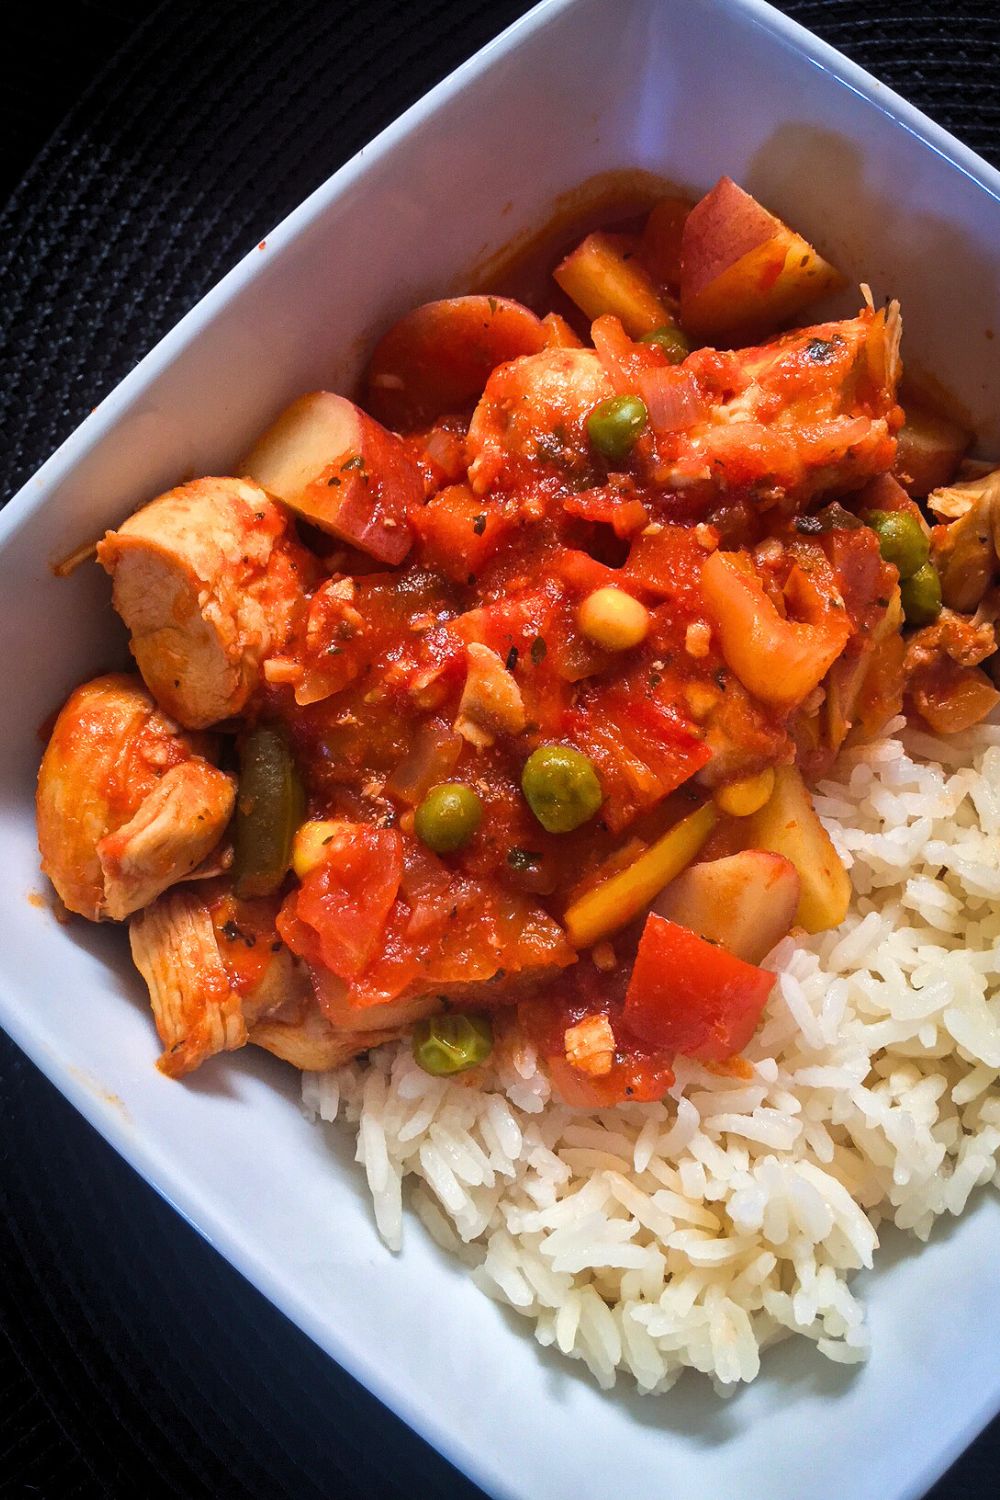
(438, 358)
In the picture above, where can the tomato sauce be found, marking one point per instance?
(468, 655)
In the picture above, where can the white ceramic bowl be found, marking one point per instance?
(690, 89)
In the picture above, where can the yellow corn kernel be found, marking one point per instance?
(741, 798)
(613, 903)
(613, 619)
(309, 845)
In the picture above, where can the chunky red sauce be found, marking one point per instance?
(507, 526)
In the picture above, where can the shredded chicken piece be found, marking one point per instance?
(491, 701)
(966, 551)
(953, 500)
(960, 638)
(197, 1012)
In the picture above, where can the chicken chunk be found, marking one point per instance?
(491, 701)
(207, 582)
(966, 549)
(810, 413)
(126, 805)
(301, 1035)
(197, 1007)
(174, 828)
(533, 415)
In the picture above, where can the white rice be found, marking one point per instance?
(695, 1232)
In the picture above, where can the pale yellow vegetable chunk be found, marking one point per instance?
(621, 897)
(747, 902)
(741, 798)
(613, 619)
(788, 825)
(310, 844)
(600, 280)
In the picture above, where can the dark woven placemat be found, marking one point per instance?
(137, 1362)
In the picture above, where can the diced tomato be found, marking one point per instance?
(668, 562)
(458, 531)
(582, 572)
(344, 902)
(450, 934)
(623, 513)
(639, 1073)
(690, 996)
(884, 492)
(641, 751)
(951, 698)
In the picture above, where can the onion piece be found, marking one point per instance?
(672, 397)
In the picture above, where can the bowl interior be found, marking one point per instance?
(687, 92)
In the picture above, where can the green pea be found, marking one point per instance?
(901, 539)
(675, 344)
(448, 817)
(921, 595)
(451, 1043)
(614, 425)
(561, 787)
(270, 805)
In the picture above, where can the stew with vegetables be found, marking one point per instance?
(484, 710)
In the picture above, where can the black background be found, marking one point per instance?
(134, 1361)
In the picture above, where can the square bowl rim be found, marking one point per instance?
(144, 1155)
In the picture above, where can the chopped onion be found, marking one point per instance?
(672, 398)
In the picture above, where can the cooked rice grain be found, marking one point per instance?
(696, 1232)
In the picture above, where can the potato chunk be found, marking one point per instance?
(742, 270)
(747, 902)
(602, 278)
(337, 467)
(929, 449)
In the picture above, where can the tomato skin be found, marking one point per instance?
(642, 753)
(690, 996)
(343, 904)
